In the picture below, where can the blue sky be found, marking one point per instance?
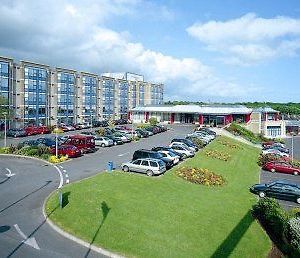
(226, 50)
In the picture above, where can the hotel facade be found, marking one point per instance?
(40, 94)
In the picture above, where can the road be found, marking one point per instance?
(25, 184)
(267, 177)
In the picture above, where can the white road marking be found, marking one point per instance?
(67, 175)
(64, 170)
(9, 173)
(28, 241)
(123, 154)
(61, 177)
(67, 181)
(60, 166)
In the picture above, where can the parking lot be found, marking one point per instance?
(267, 177)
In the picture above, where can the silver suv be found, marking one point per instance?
(147, 166)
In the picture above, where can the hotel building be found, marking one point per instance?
(39, 94)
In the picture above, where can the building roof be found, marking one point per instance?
(203, 109)
(265, 110)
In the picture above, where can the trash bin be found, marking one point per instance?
(110, 166)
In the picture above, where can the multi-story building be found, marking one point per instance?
(39, 94)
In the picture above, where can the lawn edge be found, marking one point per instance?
(74, 238)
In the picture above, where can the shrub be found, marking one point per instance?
(198, 142)
(101, 131)
(263, 159)
(32, 152)
(217, 155)
(153, 121)
(200, 176)
(243, 132)
(4, 150)
(54, 159)
(292, 234)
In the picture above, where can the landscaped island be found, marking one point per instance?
(167, 216)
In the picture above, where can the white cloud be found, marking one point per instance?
(250, 39)
(75, 35)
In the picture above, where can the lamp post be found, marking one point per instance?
(292, 147)
(56, 139)
(5, 129)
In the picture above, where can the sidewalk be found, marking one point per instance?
(221, 131)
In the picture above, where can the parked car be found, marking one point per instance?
(14, 132)
(148, 166)
(187, 142)
(43, 129)
(276, 147)
(142, 154)
(66, 150)
(198, 136)
(122, 137)
(272, 143)
(103, 141)
(79, 126)
(170, 155)
(206, 135)
(186, 152)
(89, 133)
(193, 149)
(46, 141)
(85, 143)
(30, 143)
(167, 148)
(62, 139)
(31, 130)
(282, 167)
(275, 152)
(142, 132)
(207, 130)
(116, 140)
(279, 190)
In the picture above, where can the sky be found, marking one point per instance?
(209, 50)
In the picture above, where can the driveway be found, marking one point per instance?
(26, 183)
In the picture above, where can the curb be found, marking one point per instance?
(75, 239)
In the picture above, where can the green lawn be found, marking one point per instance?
(166, 216)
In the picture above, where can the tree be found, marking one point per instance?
(153, 121)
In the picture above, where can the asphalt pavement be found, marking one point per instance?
(26, 183)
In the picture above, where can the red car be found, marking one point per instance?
(43, 129)
(31, 130)
(69, 150)
(281, 167)
(85, 143)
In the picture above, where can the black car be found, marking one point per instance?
(166, 148)
(142, 132)
(16, 133)
(279, 190)
(141, 154)
(187, 142)
(46, 141)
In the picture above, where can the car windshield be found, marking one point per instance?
(157, 155)
(172, 154)
(161, 163)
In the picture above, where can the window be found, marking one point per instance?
(145, 163)
(136, 162)
(153, 164)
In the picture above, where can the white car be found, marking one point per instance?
(275, 152)
(193, 149)
(170, 155)
(103, 141)
(148, 166)
(186, 152)
(206, 135)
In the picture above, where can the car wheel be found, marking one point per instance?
(149, 173)
(126, 169)
(102, 145)
(261, 194)
(298, 200)
(272, 170)
(295, 173)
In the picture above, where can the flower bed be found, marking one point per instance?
(217, 155)
(229, 144)
(200, 176)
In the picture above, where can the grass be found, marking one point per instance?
(166, 216)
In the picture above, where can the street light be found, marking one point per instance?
(5, 129)
(292, 147)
